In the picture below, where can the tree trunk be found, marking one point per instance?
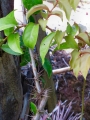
(49, 81)
(10, 80)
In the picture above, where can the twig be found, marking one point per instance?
(57, 71)
(65, 62)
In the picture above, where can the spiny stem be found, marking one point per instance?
(35, 71)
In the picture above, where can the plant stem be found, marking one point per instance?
(84, 84)
(35, 71)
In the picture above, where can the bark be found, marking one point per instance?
(10, 80)
(49, 81)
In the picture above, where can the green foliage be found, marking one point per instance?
(30, 3)
(45, 44)
(80, 62)
(8, 21)
(43, 24)
(74, 3)
(8, 31)
(80, 58)
(72, 30)
(25, 57)
(44, 14)
(33, 108)
(14, 43)
(83, 37)
(35, 9)
(30, 35)
(75, 62)
(48, 67)
(65, 5)
(59, 37)
(70, 43)
(7, 49)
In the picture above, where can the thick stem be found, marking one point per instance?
(84, 84)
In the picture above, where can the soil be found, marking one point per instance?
(68, 87)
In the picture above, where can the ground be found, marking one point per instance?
(69, 87)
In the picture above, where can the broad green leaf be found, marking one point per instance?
(30, 35)
(59, 37)
(65, 5)
(30, 3)
(68, 29)
(35, 9)
(48, 67)
(7, 49)
(74, 3)
(8, 31)
(8, 21)
(43, 24)
(75, 62)
(83, 37)
(72, 30)
(85, 64)
(45, 44)
(70, 43)
(33, 108)
(14, 43)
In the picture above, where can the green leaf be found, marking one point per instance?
(72, 30)
(30, 3)
(45, 44)
(31, 19)
(65, 5)
(14, 43)
(70, 43)
(74, 3)
(8, 31)
(44, 14)
(43, 24)
(7, 49)
(25, 58)
(48, 67)
(33, 108)
(75, 62)
(30, 35)
(59, 37)
(8, 21)
(83, 37)
(35, 9)
(85, 64)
